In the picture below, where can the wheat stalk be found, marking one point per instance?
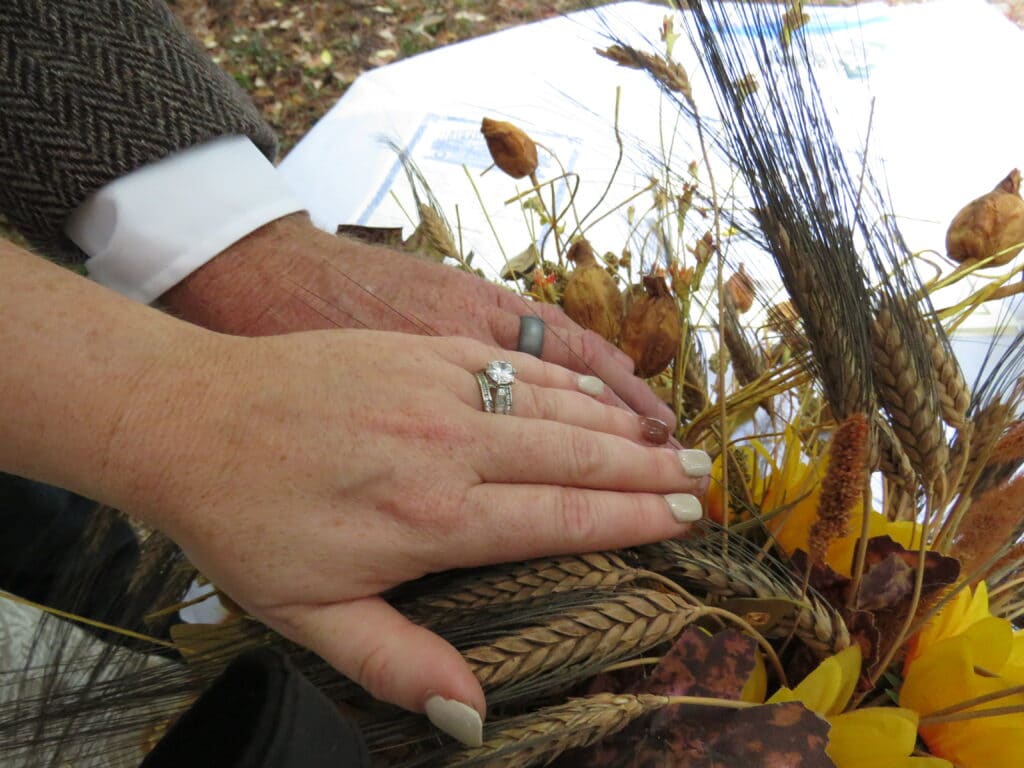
(540, 736)
(525, 581)
(669, 74)
(989, 423)
(892, 460)
(694, 394)
(436, 232)
(701, 565)
(954, 394)
(746, 362)
(594, 635)
(833, 347)
(909, 401)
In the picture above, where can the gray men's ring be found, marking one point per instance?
(531, 335)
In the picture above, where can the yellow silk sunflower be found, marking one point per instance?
(873, 737)
(789, 498)
(963, 662)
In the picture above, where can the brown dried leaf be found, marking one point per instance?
(770, 736)
(762, 613)
(700, 664)
(521, 264)
(889, 574)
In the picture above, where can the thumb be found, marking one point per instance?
(396, 661)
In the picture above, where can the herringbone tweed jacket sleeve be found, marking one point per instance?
(93, 89)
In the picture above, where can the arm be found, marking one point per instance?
(98, 89)
(220, 442)
(92, 90)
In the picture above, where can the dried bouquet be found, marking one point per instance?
(852, 598)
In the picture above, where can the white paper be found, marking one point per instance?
(938, 79)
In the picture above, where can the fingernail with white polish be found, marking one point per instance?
(685, 508)
(590, 385)
(695, 463)
(458, 720)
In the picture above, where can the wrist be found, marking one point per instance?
(98, 381)
(256, 286)
(171, 411)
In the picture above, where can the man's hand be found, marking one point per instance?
(291, 276)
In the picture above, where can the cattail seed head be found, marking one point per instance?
(843, 484)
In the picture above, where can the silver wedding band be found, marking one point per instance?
(531, 335)
(496, 382)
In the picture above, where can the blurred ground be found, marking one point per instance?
(297, 58)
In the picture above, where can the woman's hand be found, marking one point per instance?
(316, 470)
(305, 474)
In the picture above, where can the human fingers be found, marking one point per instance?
(580, 410)
(586, 351)
(547, 391)
(570, 346)
(394, 660)
(555, 318)
(524, 450)
(518, 522)
(552, 316)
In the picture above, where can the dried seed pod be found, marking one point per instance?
(511, 149)
(741, 288)
(651, 331)
(591, 297)
(992, 225)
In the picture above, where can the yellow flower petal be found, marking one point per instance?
(866, 738)
(829, 687)
(958, 669)
(756, 687)
(962, 612)
(795, 488)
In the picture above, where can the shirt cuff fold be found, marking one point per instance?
(147, 231)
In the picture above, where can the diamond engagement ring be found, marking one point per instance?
(499, 375)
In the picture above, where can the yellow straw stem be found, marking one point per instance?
(1012, 691)
(90, 622)
(974, 715)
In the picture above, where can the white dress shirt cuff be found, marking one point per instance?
(147, 231)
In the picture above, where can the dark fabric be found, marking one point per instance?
(90, 90)
(46, 541)
(261, 713)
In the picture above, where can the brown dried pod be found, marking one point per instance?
(511, 149)
(991, 225)
(651, 331)
(741, 288)
(591, 297)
